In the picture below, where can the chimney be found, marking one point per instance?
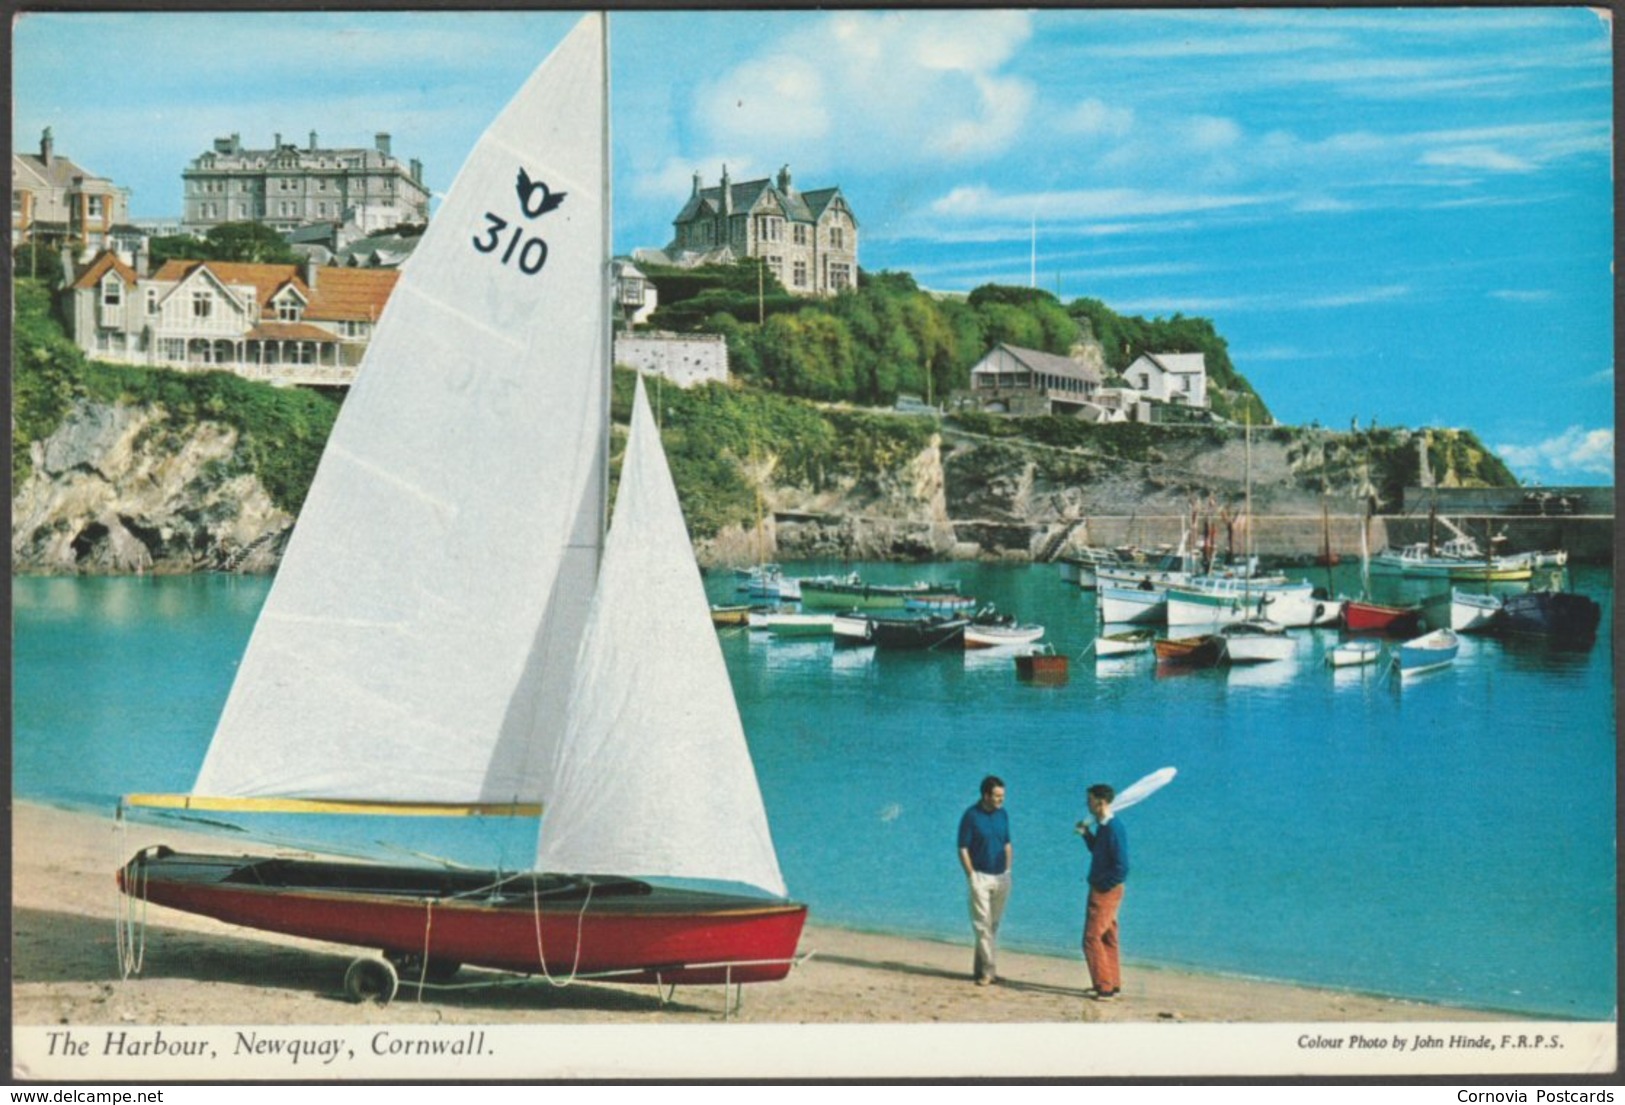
(277, 144)
(313, 141)
(784, 179)
(727, 194)
(696, 184)
(382, 139)
(45, 144)
(417, 170)
(310, 272)
(143, 258)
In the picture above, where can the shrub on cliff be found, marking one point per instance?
(282, 430)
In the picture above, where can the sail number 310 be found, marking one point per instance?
(528, 254)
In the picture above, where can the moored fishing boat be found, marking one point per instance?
(1110, 646)
(932, 632)
(1429, 652)
(852, 627)
(990, 629)
(939, 602)
(1255, 641)
(1560, 615)
(1200, 651)
(1361, 616)
(1042, 665)
(1473, 611)
(768, 582)
(800, 625)
(1351, 654)
(508, 652)
(1082, 566)
(1144, 603)
(727, 616)
(853, 594)
(1302, 607)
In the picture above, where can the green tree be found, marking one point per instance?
(250, 242)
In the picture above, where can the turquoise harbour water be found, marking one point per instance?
(1451, 840)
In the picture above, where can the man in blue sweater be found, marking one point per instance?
(1108, 868)
(984, 853)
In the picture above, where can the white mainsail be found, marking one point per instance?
(419, 640)
(653, 776)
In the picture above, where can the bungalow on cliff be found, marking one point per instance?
(297, 324)
(1013, 380)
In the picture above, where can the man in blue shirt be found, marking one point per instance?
(1108, 869)
(984, 853)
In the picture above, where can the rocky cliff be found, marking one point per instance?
(968, 496)
(121, 489)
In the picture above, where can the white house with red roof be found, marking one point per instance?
(282, 323)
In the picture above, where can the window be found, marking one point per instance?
(1145, 381)
(152, 301)
(837, 238)
(840, 277)
(632, 292)
(800, 277)
(289, 310)
(112, 292)
(95, 206)
(801, 234)
(202, 303)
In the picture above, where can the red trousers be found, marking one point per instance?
(1100, 938)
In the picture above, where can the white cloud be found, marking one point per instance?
(892, 86)
(1477, 157)
(1094, 118)
(1523, 295)
(779, 98)
(1575, 450)
(1359, 297)
(980, 203)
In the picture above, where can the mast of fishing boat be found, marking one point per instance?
(1247, 506)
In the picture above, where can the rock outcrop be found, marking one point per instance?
(120, 489)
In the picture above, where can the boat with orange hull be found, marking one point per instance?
(527, 923)
(1203, 651)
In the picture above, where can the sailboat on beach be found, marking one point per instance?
(452, 633)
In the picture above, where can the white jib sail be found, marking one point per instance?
(417, 641)
(653, 774)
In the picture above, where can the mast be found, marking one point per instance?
(1247, 500)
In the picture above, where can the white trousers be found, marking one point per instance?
(988, 893)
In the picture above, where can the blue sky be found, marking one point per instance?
(1404, 215)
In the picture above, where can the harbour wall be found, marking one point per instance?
(1588, 538)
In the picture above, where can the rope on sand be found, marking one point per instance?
(130, 907)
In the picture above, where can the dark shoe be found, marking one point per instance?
(1102, 995)
(986, 980)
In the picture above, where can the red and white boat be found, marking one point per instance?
(504, 653)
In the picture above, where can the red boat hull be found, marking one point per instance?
(623, 929)
(1370, 617)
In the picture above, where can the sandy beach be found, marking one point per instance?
(202, 972)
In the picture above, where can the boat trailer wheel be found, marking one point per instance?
(372, 980)
(409, 966)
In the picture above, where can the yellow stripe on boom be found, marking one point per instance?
(334, 805)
